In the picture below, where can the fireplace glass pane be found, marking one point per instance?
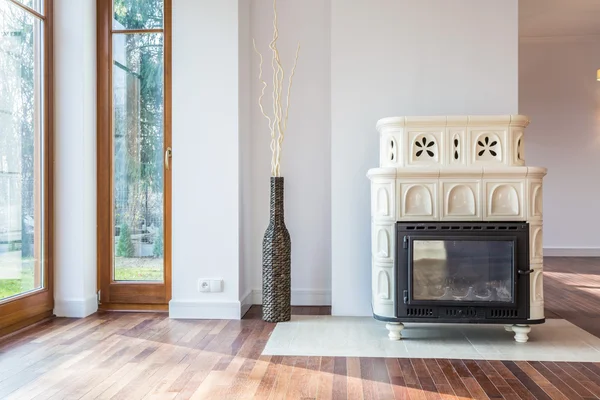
(463, 270)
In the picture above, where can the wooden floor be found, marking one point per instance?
(135, 355)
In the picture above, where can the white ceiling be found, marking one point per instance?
(559, 17)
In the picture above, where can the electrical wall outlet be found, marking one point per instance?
(203, 285)
(210, 285)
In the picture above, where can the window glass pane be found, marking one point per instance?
(21, 260)
(37, 5)
(138, 14)
(138, 156)
(463, 270)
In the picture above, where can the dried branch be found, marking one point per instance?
(262, 94)
(278, 122)
(278, 76)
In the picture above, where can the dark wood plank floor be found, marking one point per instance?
(572, 290)
(148, 355)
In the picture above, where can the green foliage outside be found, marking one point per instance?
(125, 245)
(18, 112)
(12, 287)
(136, 14)
(139, 274)
(139, 120)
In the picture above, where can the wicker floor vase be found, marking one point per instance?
(276, 268)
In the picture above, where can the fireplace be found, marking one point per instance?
(470, 272)
(456, 221)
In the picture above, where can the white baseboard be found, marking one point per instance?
(76, 308)
(246, 303)
(197, 309)
(301, 297)
(572, 251)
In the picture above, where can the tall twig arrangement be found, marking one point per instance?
(278, 121)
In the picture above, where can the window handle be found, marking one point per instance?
(168, 155)
(521, 272)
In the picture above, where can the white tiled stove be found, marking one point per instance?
(452, 168)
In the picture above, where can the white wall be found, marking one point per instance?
(245, 172)
(75, 158)
(559, 92)
(404, 57)
(205, 157)
(359, 61)
(306, 157)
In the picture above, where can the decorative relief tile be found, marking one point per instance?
(383, 285)
(535, 199)
(425, 148)
(393, 150)
(382, 242)
(488, 146)
(517, 147)
(538, 202)
(537, 286)
(521, 149)
(382, 201)
(460, 201)
(456, 148)
(390, 151)
(383, 288)
(504, 200)
(419, 201)
(536, 242)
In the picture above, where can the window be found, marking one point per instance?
(25, 162)
(134, 140)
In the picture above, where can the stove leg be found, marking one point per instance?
(508, 328)
(395, 328)
(521, 332)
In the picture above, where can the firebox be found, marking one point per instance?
(463, 272)
(456, 224)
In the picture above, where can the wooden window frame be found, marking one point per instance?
(28, 308)
(127, 295)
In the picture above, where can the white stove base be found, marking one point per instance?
(331, 336)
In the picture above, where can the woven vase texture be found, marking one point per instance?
(276, 268)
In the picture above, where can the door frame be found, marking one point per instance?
(127, 295)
